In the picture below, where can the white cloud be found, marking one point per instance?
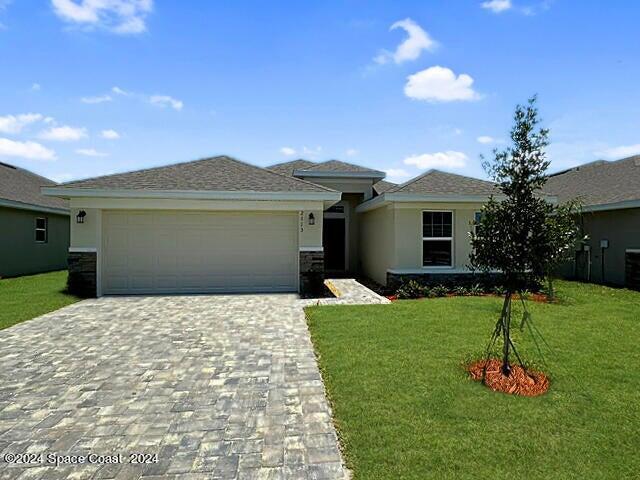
(90, 152)
(16, 123)
(411, 48)
(485, 139)
(497, 6)
(397, 174)
(119, 91)
(110, 134)
(288, 151)
(440, 84)
(312, 152)
(36, 87)
(621, 151)
(351, 152)
(119, 16)
(63, 134)
(97, 99)
(28, 150)
(448, 160)
(166, 101)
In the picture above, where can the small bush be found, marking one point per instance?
(410, 289)
(438, 291)
(461, 290)
(476, 290)
(498, 290)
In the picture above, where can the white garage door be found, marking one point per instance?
(199, 252)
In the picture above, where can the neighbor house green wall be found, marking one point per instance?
(20, 254)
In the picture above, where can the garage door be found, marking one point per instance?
(198, 252)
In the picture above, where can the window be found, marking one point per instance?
(477, 218)
(437, 239)
(41, 230)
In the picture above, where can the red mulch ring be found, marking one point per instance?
(528, 383)
(393, 298)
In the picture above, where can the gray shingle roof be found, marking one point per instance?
(23, 186)
(338, 166)
(383, 186)
(287, 168)
(435, 182)
(210, 174)
(598, 183)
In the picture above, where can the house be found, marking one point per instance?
(221, 225)
(34, 229)
(610, 196)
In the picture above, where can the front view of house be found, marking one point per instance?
(221, 225)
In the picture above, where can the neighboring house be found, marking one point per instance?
(610, 196)
(34, 229)
(221, 225)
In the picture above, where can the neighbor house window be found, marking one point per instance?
(41, 230)
(437, 239)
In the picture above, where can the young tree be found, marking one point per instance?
(522, 234)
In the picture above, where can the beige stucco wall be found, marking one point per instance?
(622, 229)
(377, 238)
(408, 234)
(391, 238)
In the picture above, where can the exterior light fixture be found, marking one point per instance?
(312, 219)
(80, 216)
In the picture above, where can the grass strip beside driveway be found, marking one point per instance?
(24, 298)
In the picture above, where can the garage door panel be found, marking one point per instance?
(165, 252)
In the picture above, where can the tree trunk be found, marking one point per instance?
(506, 327)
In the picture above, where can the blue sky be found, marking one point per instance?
(100, 86)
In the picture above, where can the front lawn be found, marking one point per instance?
(405, 408)
(24, 298)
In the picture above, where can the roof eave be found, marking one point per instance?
(32, 206)
(612, 206)
(386, 198)
(69, 192)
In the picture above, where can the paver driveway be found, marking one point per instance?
(216, 386)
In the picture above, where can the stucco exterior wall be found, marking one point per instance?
(408, 235)
(377, 238)
(20, 254)
(391, 239)
(622, 229)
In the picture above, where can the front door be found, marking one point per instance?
(333, 241)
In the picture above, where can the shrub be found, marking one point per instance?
(476, 290)
(410, 289)
(438, 291)
(461, 290)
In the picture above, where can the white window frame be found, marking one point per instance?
(433, 239)
(45, 230)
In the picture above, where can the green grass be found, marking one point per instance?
(405, 408)
(24, 298)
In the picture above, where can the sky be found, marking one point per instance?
(93, 87)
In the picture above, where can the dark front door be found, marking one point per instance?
(333, 232)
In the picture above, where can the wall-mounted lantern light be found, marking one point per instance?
(80, 216)
(312, 219)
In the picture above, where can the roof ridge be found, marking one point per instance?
(290, 177)
(25, 171)
(411, 181)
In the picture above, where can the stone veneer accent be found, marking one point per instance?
(311, 272)
(83, 270)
